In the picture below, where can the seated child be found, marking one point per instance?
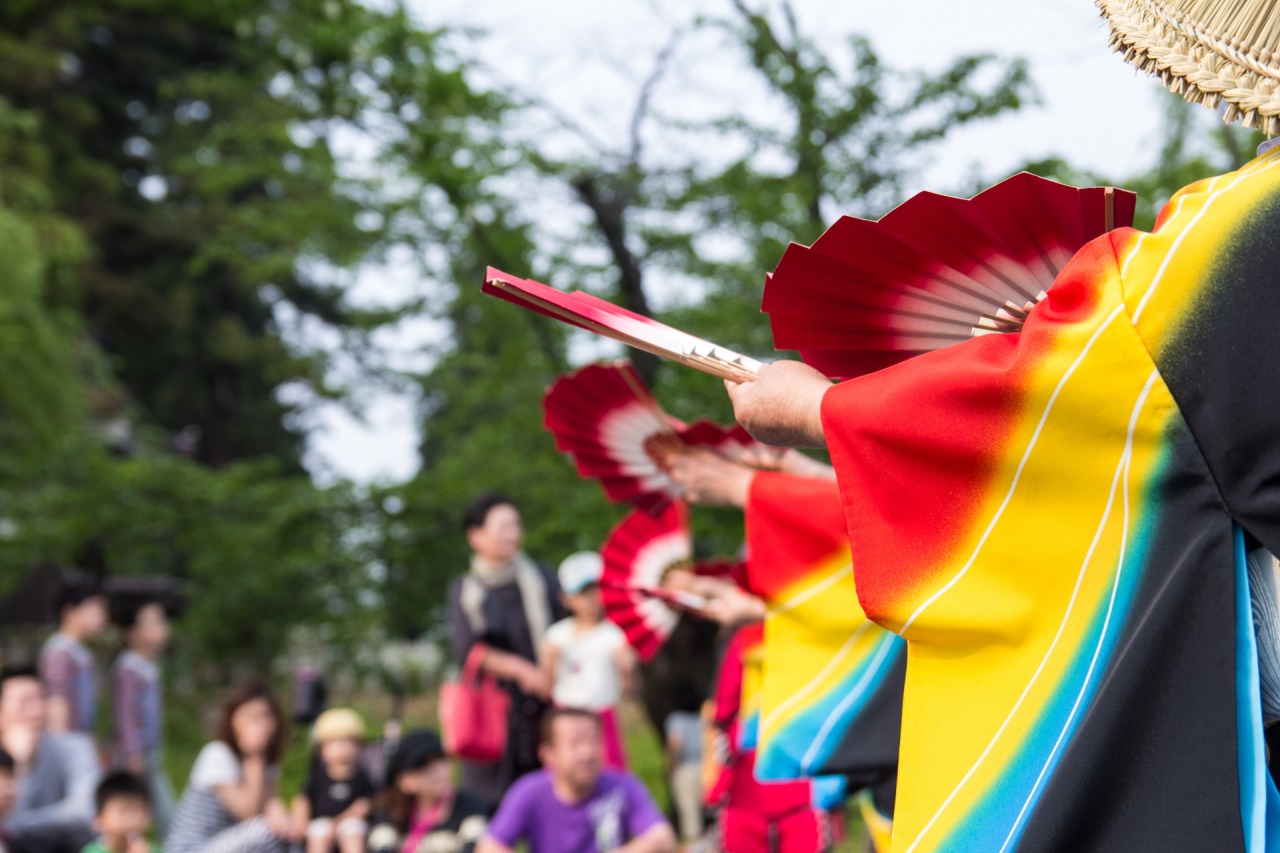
(333, 806)
(123, 815)
(586, 657)
(421, 810)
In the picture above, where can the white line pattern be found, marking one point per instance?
(1026, 455)
(1126, 460)
(1097, 536)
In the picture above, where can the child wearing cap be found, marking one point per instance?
(334, 804)
(586, 657)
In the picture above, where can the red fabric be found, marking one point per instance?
(738, 787)
(746, 831)
(916, 445)
(729, 683)
(615, 753)
(767, 799)
(792, 523)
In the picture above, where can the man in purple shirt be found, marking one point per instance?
(573, 805)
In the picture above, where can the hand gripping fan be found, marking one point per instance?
(605, 417)
(935, 271)
(637, 554)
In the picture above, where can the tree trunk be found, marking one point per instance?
(609, 210)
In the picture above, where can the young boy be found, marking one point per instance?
(123, 815)
(333, 807)
(586, 657)
(136, 694)
(66, 664)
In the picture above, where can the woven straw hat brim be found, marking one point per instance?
(1212, 52)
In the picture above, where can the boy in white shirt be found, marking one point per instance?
(586, 658)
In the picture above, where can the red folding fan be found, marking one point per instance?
(639, 551)
(617, 323)
(935, 271)
(605, 417)
(637, 556)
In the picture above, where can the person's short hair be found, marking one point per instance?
(548, 731)
(242, 694)
(12, 673)
(477, 510)
(416, 750)
(7, 765)
(125, 613)
(120, 785)
(76, 589)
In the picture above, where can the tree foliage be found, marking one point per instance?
(850, 132)
(186, 192)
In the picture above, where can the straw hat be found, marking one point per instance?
(338, 724)
(1209, 51)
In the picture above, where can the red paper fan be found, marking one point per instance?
(933, 272)
(617, 323)
(617, 433)
(639, 551)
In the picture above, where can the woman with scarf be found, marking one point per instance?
(500, 610)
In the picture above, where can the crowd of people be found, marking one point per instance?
(561, 783)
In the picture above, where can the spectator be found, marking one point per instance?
(123, 819)
(56, 771)
(574, 805)
(137, 693)
(420, 811)
(230, 803)
(586, 658)
(66, 664)
(8, 794)
(500, 610)
(334, 804)
(684, 731)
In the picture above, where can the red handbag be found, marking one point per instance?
(473, 713)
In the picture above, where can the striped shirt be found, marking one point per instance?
(66, 668)
(201, 816)
(137, 704)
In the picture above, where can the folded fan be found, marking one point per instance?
(605, 417)
(612, 321)
(934, 271)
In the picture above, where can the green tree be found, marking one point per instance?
(187, 192)
(842, 143)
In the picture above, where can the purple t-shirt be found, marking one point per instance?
(617, 811)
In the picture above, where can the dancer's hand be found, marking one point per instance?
(709, 479)
(783, 406)
(726, 602)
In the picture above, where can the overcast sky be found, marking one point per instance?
(586, 56)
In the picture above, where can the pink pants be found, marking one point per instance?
(615, 754)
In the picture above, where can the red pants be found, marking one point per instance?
(747, 831)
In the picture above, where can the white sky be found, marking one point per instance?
(585, 57)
